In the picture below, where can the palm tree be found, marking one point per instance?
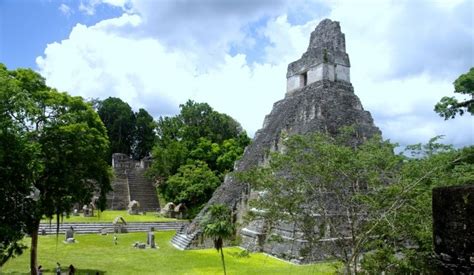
(218, 225)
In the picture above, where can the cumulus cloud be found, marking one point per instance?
(208, 28)
(437, 47)
(95, 63)
(429, 37)
(159, 54)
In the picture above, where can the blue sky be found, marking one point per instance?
(27, 26)
(233, 54)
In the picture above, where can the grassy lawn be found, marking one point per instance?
(109, 216)
(95, 253)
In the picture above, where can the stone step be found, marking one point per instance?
(85, 228)
(182, 241)
(142, 190)
(174, 223)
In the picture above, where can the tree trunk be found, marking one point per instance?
(348, 269)
(223, 262)
(34, 248)
(355, 264)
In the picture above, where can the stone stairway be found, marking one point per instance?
(142, 190)
(95, 228)
(118, 198)
(182, 241)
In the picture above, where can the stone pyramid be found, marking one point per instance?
(319, 98)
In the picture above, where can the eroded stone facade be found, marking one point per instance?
(325, 59)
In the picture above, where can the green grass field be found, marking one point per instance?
(109, 216)
(96, 253)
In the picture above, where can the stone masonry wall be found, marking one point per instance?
(453, 228)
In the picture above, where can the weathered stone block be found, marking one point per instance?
(453, 228)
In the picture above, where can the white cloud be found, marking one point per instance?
(89, 6)
(208, 28)
(65, 9)
(433, 37)
(153, 56)
(95, 63)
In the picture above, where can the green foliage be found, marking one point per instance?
(144, 136)
(20, 163)
(129, 133)
(167, 160)
(61, 143)
(405, 236)
(386, 198)
(193, 184)
(217, 224)
(200, 120)
(231, 150)
(449, 107)
(197, 135)
(18, 169)
(119, 120)
(324, 175)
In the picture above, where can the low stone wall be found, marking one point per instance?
(108, 227)
(453, 228)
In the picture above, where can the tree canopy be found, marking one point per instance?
(318, 184)
(61, 145)
(449, 107)
(198, 140)
(19, 167)
(193, 185)
(144, 136)
(378, 201)
(119, 119)
(129, 133)
(405, 234)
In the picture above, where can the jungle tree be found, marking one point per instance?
(69, 142)
(449, 107)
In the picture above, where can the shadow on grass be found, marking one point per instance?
(53, 271)
(89, 271)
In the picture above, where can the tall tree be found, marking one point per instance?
(449, 107)
(144, 138)
(193, 185)
(119, 119)
(404, 243)
(319, 185)
(19, 167)
(201, 133)
(200, 120)
(217, 224)
(198, 134)
(69, 141)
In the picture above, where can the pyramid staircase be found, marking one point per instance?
(181, 240)
(142, 190)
